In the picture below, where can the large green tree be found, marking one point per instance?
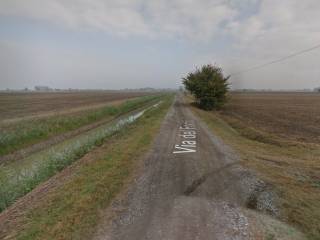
(208, 85)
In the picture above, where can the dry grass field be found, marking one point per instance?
(294, 116)
(24, 104)
(277, 136)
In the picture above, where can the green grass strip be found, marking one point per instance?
(29, 132)
(18, 180)
(73, 211)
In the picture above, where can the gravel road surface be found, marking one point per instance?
(191, 186)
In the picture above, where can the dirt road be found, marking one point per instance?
(191, 187)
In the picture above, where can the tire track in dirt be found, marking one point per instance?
(198, 194)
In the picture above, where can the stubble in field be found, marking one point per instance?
(277, 136)
(294, 116)
(22, 105)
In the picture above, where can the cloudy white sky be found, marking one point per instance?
(115, 44)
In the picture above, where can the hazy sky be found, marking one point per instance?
(138, 43)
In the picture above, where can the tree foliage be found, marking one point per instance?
(208, 85)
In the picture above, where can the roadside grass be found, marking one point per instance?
(17, 179)
(73, 210)
(292, 168)
(25, 133)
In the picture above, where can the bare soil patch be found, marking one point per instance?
(294, 116)
(21, 105)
